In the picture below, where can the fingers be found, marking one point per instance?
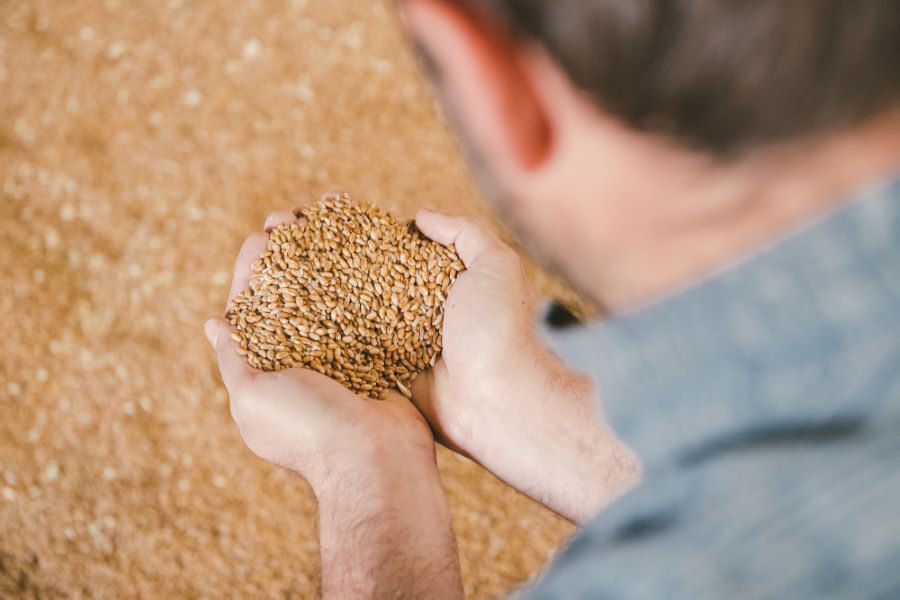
(236, 371)
(253, 247)
(471, 241)
(277, 218)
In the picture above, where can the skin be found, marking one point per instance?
(627, 216)
(371, 464)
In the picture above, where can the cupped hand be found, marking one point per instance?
(302, 420)
(500, 397)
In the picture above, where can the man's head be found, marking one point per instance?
(619, 135)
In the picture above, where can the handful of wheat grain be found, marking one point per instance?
(352, 294)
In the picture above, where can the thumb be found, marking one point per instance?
(472, 242)
(234, 367)
(211, 330)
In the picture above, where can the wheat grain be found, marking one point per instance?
(352, 293)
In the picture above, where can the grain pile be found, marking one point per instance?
(352, 293)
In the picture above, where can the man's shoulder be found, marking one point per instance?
(765, 403)
(790, 513)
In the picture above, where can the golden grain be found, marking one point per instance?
(353, 294)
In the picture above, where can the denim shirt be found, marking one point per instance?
(765, 405)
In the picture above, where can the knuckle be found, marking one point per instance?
(485, 239)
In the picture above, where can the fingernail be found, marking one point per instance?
(211, 331)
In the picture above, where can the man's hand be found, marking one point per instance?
(500, 397)
(384, 524)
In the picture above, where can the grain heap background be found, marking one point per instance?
(140, 142)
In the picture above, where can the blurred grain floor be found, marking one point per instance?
(140, 141)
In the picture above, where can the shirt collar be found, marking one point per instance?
(791, 336)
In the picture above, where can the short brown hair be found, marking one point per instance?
(720, 75)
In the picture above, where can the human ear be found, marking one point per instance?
(481, 75)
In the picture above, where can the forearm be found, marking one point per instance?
(557, 448)
(387, 535)
(582, 466)
(571, 461)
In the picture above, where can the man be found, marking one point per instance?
(722, 178)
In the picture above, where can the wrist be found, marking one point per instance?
(370, 464)
(385, 526)
(556, 446)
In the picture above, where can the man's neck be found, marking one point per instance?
(723, 212)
